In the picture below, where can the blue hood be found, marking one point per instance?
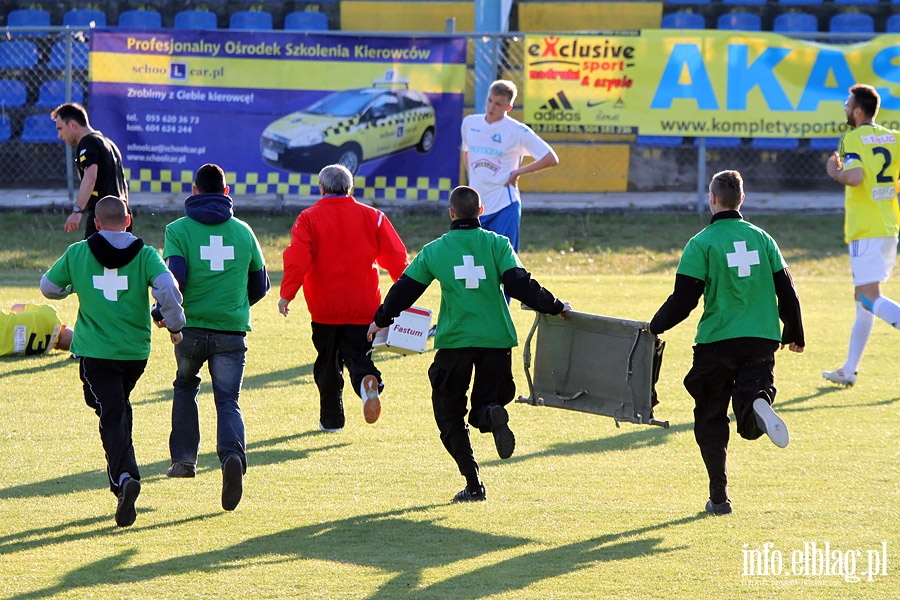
(209, 209)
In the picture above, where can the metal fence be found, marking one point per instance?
(42, 69)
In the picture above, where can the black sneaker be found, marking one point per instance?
(722, 508)
(503, 435)
(128, 493)
(467, 495)
(232, 481)
(181, 470)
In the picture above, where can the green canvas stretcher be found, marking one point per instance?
(594, 364)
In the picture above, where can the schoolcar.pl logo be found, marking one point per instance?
(557, 108)
(813, 562)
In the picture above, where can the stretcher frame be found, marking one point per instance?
(594, 364)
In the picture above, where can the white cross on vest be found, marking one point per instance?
(742, 259)
(110, 282)
(469, 272)
(216, 253)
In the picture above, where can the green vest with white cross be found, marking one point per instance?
(736, 260)
(469, 264)
(114, 304)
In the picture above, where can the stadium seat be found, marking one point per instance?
(39, 129)
(683, 20)
(856, 2)
(57, 58)
(720, 142)
(29, 17)
(196, 19)
(893, 24)
(250, 19)
(18, 54)
(746, 2)
(796, 22)
(801, 2)
(306, 21)
(740, 21)
(140, 19)
(53, 93)
(775, 143)
(659, 140)
(13, 94)
(851, 23)
(824, 144)
(84, 17)
(5, 128)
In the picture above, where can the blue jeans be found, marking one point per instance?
(225, 355)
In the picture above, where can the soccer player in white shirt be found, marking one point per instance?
(494, 145)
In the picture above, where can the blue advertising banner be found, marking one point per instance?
(273, 108)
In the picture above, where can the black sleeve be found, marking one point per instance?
(257, 285)
(687, 293)
(518, 284)
(401, 296)
(789, 308)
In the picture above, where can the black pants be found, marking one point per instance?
(450, 374)
(107, 389)
(716, 378)
(340, 346)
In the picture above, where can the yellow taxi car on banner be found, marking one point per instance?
(351, 127)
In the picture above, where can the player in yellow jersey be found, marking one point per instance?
(32, 329)
(868, 164)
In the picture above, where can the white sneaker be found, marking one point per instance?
(839, 377)
(770, 422)
(327, 430)
(371, 401)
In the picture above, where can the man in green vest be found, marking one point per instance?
(110, 272)
(738, 270)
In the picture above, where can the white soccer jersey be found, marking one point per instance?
(493, 151)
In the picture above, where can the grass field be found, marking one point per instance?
(582, 510)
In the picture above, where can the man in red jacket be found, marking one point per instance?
(335, 245)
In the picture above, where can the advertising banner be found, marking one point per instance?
(703, 83)
(273, 108)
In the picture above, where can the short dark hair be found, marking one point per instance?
(465, 202)
(866, 99)
(210, 179)
(728, 188)
(111, 210)
(71, 111)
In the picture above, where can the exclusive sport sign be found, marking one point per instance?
(273, 108)
(703, 83)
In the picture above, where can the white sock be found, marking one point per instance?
(859, 337)
(123, 477)
(887, 310)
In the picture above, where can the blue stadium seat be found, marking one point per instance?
(824, 144)
(775, 143)
(18, 54)
(53, 93)
(856, 2)
(851, 23)
(801, 2)
(683, 20)
(29, 17)
(140, 19)
(84, 17)
(659, 140)
(893, 24)
(196, 19)
(796, 22)
(746, 2)
(58, 55)
(720, 142)
(740, 21)
(13, 93)
(250, 19)
(39, 129)
(306, 21)
(5, 128)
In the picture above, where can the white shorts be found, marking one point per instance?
(872, 259)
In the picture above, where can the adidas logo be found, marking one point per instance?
(557, 102)
(558, 108)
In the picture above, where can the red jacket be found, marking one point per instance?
(335, 245)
